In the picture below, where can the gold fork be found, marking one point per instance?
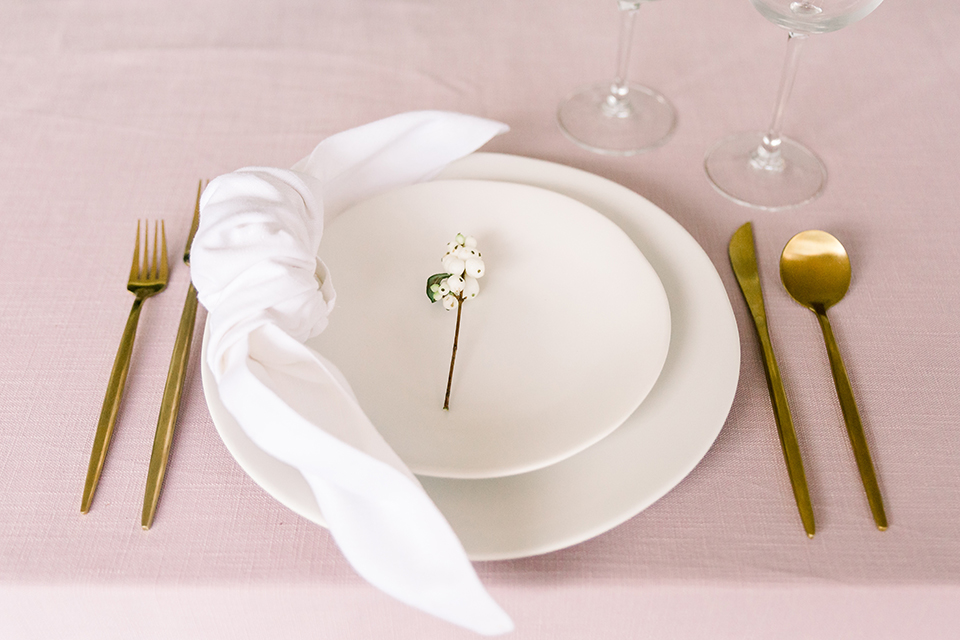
(173, 389)
(143, 283)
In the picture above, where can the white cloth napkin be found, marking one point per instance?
(254, 263)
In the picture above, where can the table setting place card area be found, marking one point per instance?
(605, 334)
(465, 358)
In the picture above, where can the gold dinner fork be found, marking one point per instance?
(144, 282)
(173, 389)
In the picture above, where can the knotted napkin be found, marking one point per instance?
(255, 265)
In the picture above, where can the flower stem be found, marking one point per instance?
(453, 355)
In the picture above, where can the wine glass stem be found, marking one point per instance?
(767, 156)
(617, 103)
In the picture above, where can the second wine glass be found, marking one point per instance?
(618, 117)
(765, 169)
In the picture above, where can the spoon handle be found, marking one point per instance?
(854, 426)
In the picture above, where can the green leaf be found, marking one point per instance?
(435, 280)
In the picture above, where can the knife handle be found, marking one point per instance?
(788, 435)
(169, 408)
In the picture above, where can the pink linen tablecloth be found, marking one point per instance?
(111, 111)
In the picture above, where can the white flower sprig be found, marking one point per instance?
(463, 266)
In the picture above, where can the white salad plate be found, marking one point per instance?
(566, 338)
(619, 476)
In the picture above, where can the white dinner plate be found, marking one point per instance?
(622, 474)
(566, 338)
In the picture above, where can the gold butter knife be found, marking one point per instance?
(743, 258)
(173, 390)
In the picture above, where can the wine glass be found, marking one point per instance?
(765, 169)
(618, 118)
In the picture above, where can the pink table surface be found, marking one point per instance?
(110, 111)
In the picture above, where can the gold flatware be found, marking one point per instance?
(145, 281)
(815, 270)
(743, 258)
(173, 390)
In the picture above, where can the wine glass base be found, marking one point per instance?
(646, 121)
(732, 168)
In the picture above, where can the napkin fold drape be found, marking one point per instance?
(254, 263)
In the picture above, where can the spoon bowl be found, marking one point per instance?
(815, 269)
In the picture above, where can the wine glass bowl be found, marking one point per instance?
(814, 16)
(765, 169)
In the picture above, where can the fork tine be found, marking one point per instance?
(153, 269)
(163, 255)
(145, 272)
(135, 268)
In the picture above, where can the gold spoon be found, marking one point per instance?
(815, 270)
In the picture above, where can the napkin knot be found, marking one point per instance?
(257, 260)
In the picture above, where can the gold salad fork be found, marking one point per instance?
(144, 282)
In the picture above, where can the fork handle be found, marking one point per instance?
(169, 408)
(111, 405)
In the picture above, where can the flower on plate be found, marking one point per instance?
(463, 266)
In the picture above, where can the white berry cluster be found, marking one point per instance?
(462, 265)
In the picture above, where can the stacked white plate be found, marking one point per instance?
(594, 370)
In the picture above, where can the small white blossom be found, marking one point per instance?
(453, 265)
(455, 284)
(471, 287)
(474, 267)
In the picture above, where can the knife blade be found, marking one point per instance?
(173, 389)
(743, 259)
